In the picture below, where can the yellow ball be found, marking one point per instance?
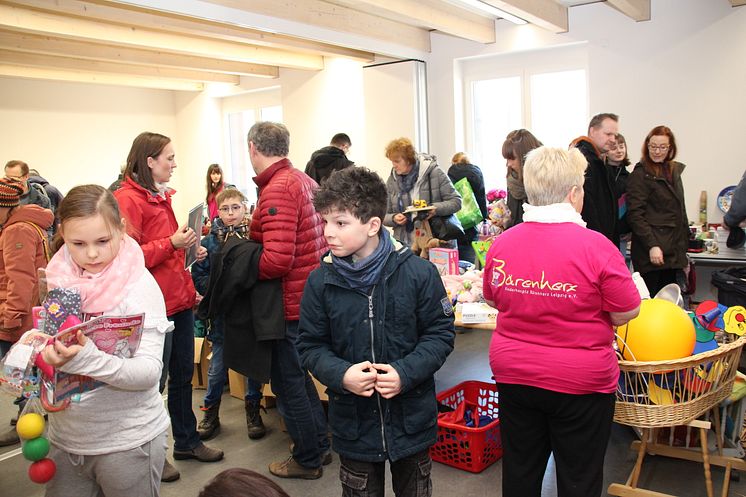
(661, 332)
(30, 426)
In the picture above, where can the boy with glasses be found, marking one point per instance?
(232, 221)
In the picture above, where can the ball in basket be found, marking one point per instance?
(661, 332)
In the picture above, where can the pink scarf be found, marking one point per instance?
(103, 291)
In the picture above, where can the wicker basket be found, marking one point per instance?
(668, 393)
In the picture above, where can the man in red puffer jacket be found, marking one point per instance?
(292, 234)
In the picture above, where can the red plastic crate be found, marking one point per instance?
(470, 449)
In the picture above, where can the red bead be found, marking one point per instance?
(42, 471)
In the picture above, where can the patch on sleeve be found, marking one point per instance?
(445, 302)
(272, 211)
(19, 246)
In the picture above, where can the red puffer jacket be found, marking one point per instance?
(151, 222)
(290, 230)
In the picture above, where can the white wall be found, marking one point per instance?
(684, 68)
(318, 105)
(76, 133)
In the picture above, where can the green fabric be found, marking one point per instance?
(200, 328)
(480, 248)
(469, 215)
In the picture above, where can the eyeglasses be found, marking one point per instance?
(230, 208)
(658, 148)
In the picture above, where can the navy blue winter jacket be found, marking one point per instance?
(407, 322)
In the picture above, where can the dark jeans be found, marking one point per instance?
(655, 280)
(297, 401)
(535, 422)
(410, 477)
(179, 357)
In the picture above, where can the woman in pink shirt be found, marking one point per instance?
(559, 289)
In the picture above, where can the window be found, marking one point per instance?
(545, 91)
(240, 169)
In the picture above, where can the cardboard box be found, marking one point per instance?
(445, 259)
(202, 355)
(237, 383)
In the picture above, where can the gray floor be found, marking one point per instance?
(468, 361)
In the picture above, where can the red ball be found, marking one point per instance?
(42, 471)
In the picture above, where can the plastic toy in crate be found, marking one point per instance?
(469, 434)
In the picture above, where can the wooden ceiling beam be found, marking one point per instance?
(547, 14)
(72, 64)
(40, 44)
(112, 11)
(637, 10)
(441, 16)
(327, 15)
(15, 71)
(22, 19)
(737, 3)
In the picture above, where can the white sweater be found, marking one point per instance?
(128, 411)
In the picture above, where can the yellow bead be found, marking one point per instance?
(30, 426)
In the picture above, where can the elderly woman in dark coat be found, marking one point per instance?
(656, 212)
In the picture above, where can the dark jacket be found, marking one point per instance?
(599, 203)
(475, 178)
(252, 308)
(201, 277)
(325, 161)
(618, 176)
(657, 215)
(55, 196)
(737, 211)
(411, 329)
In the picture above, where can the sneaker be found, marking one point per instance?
(169, 473)
(291, 469)
(202, 453)
(326, 456)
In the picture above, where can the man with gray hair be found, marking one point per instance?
(292, 235)
(600, 209)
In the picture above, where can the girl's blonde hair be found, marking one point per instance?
(86, 201)
(549, 174)
(460, 158)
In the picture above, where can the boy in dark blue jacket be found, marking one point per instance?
(375, 326)
(231, 222)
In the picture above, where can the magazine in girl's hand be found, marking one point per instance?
(119, 336)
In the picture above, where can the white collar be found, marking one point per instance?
(552, 213)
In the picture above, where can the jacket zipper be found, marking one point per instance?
(373, 356)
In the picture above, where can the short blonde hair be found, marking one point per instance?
(228, 193)
(549, 174)
(401, 147)
(460, 158)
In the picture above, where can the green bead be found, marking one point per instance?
(35, 449)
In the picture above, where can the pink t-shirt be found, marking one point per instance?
(554, 286)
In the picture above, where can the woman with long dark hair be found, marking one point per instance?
(656, 211)
(145, 202)
(215, 185)
(515, 147)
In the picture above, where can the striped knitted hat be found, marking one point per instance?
(10, 192)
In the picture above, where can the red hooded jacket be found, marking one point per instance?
(151, 222)
(22, 253)
(290, 230)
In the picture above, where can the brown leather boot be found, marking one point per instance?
(254, 422)
(209, 427)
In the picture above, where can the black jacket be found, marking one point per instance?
(407, 322)
(325, 161)
(657, 215)
(252, 308)
(600, 202)
(475, 178)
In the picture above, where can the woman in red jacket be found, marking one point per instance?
(145, 202)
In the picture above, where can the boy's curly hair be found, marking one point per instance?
(357, 190)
